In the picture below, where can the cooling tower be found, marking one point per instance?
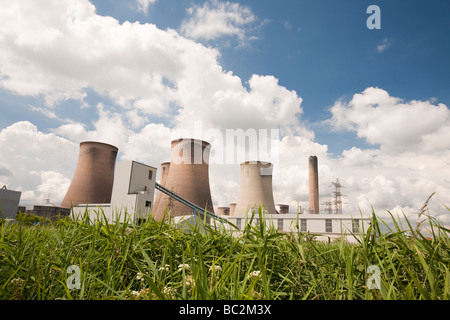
(94, 175)
(256, 188)
(223, 211)
(313, 185)
(232, 208)
(165, 166)
(188, 177)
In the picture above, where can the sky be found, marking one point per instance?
(371, 103)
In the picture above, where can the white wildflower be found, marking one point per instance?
(190, 281)
(183, 266)
(215, 268)
(168, 291)
(165, 268)
(254, 274)
(135, 293)
(17, 281)
(140, 276)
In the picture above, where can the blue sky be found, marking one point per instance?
(361, 99)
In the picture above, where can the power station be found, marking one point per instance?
(127, 190)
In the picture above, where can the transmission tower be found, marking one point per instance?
(47, 200)
(337, 197)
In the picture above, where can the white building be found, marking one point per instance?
(323, 226)
(131, 198)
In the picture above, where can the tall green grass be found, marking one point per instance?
(158, 260)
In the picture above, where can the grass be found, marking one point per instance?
(156, 260)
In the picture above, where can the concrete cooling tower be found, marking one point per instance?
(94, 175)
(232, 208)
(256, 188)
(223, 211)
(313, 185)
(188, 177)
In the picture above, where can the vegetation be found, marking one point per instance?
(156, 260)
(31, 219)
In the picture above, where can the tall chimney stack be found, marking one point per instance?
(313, 185)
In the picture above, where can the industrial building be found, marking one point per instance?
(282, 208)
(47, 211)
(131, 196)
(322, 226)
(9, 203)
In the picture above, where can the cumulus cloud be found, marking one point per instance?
(409, 160)
(61, 54)
(69, 48)
(38, 163)
(142, 5)
(393, 124)
(215, 19)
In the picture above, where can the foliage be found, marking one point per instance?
(158, 260)
(31, 219)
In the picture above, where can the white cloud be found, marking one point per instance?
(216, 19)
(142, 5)
(68, 48)
(39, 163)
(392, 123)
(108, 128)
(45, 111)
(383, 45)
(411, 161)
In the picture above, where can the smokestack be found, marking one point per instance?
(165, 166)
(188, 177)
(94, 175)
(256, 188)
(313, 185)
